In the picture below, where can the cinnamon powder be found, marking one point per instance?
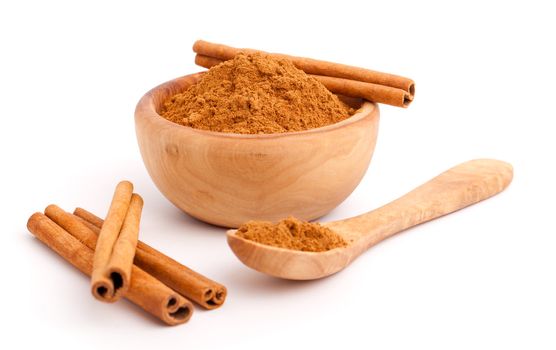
(256, 94)
(292, 233)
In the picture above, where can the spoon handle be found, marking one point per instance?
(454, 189)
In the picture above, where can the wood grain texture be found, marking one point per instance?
(457, 188)
(227, 179)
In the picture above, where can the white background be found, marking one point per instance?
(71, 74)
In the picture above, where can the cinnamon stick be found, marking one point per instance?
(180, 278)
(372, 92)
(312, 66)
(116, 244)
(144, 290)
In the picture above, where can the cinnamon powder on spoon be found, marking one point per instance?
(292, 233)
(256, 94)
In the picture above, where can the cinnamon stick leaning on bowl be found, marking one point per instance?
(144, 290)
(339, 78)
(180, 278)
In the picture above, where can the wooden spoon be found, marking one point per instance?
(457, 188)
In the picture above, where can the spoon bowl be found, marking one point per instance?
(456, 188)
(288, 263)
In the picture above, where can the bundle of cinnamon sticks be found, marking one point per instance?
(122, 266)
(339, 78)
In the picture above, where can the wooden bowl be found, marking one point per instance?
(227, 179)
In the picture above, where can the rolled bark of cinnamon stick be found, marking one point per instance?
(144, 290)
(180, 278)
(116, 245)
(372, 92)
(312, 66)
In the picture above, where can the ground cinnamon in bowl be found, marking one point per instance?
(292, 233)
(256, 94)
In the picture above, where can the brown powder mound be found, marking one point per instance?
(256, 94)
(293, 234)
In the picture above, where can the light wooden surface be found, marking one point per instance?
(227, 179)
(457, 188)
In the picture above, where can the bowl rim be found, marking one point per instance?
(146, 109)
